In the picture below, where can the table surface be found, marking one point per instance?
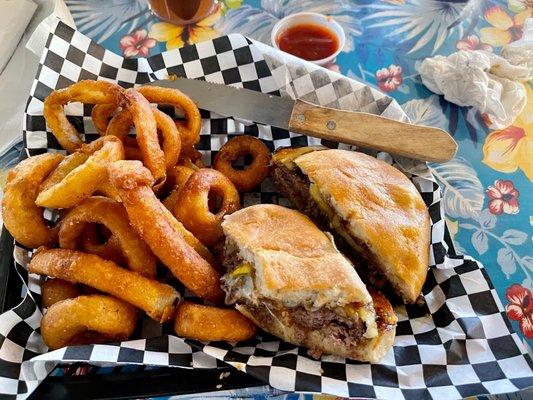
(488, 187)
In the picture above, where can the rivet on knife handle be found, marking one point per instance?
(369, 130)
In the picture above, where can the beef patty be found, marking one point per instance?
(344, 329)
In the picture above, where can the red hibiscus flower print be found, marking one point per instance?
(503, 198)
(389, 78)
(520, 308)
(472, 42)
(136, 44)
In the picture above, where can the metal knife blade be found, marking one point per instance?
(235, 102)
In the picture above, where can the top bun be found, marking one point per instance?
(383, 210)
(295, 262)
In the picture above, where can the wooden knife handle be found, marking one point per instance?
(369, 130)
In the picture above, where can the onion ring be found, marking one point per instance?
(69, 321)
(132, 153)
(147, 138)
(86, 91)
(192, 207)
(67, 165)
(109, 249)
(177, 177)
(160, 230)
(157, 299)
(122, 122)
(22, 217)
(120, 125)
(113, 216)
(189, 130)
(248, 178)
(65, 189)
(191, 158)
(55, 290)
(101, 115)
(205, 323)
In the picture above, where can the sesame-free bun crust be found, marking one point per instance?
(294, 262)
(383, 209)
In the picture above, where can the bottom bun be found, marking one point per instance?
(320, 341)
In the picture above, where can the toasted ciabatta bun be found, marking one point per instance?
(294, 261)
(322, 342)
(376, 205)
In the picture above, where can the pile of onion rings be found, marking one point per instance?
(116, 219)
(133, 183)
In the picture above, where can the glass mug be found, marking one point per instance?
(182, 12)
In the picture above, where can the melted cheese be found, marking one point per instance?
(333, 217)
(242, 269)
(319, 200)
(287, 156)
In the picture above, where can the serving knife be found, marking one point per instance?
(299, 116)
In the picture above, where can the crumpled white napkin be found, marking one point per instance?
(14, 18)
(486, 81)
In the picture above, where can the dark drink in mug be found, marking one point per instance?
(181, 12)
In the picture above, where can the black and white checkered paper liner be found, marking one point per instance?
(459, 344)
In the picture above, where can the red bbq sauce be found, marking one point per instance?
(308, 41)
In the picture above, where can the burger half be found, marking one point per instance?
(287, 276)
(375, 213)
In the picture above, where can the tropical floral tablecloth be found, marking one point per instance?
(488, 187)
